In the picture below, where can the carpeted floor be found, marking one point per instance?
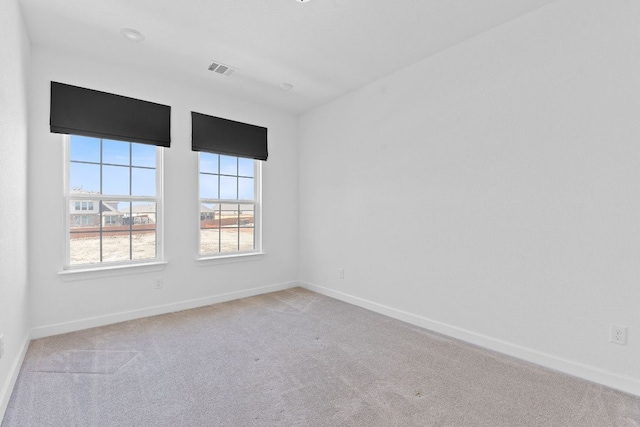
(293, 358)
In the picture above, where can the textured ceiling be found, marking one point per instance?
(324, 48)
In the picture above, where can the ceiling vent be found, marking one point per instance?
(220, 68)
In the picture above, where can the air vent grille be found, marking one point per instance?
(220, 68)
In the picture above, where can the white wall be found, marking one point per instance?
(491, 192)
(14, 304)
(61, 304)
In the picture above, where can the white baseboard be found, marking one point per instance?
(92, 322)
(576, 369)
(7, 387)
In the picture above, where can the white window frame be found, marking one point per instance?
(68, 197)
(257, 220)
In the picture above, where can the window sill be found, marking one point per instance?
(111, 271)
(205, 261)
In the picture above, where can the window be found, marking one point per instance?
(113, 201)
(229, 204)
(83, 206)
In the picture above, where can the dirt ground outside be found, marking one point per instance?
(116, 248)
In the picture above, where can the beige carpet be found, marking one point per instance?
(293, 358)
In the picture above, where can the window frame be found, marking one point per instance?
(257, 212)
(68, 197)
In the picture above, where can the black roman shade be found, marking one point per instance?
(79, 111)
(223, 136)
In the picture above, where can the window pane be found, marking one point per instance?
(115, 246)
(143, 230)
(208, 186)
(116, 241)
(245, 167)
(245, 188)
(143, 155)
(144, 213)
(209, 241)
(247, 232)
(246, 239)
(115, 180)
(229, 228)
(228, 165)
(209, 215)
(115, 152)
(209, 228)
(246, 215)
(112, 218)
(228, 239)
(84, 178)
(228, 187)
(208, 162)
(143, 182)
(84, 247)
(144, 245)
(84, 149)
(229, 216)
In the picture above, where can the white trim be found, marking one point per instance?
(229, 258)
(10, 382)
(258, 207)
(111, 270)
(577, 369)
(92, 322)
(66, 139)
(160, 203)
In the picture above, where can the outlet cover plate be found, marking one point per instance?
(618, 334)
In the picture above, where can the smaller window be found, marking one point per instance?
(87, 220)
(229, 205)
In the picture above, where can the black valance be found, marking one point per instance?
(223, 136)
(80, 111)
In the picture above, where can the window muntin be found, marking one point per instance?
(229, 204)
(113, 201)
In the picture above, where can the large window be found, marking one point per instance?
(113, 201)
(229, 204)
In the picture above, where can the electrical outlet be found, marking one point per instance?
(341, 273)
(159, 283)
(618, 334)
(1, 346)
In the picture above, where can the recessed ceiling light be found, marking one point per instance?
(286, 86)
(303, 1)
(131, 34)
